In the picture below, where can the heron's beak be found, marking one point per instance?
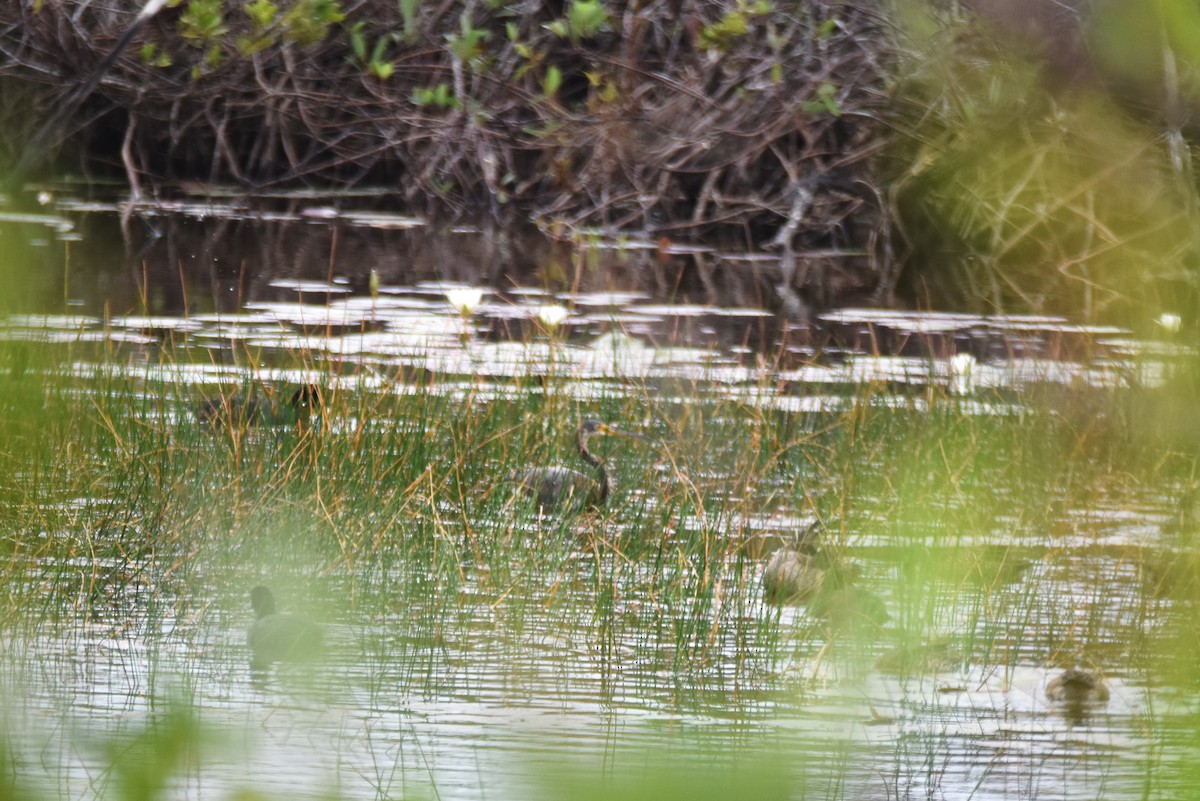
(620, 432)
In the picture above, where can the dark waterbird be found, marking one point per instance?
(240, 410)
(276, 637)
(803, 571)
(792, 576)
(796, 570)
(557, 486)
(1077, 687)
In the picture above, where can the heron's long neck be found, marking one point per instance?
(604, 485)
(581, 442)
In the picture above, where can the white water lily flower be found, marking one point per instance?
(962, 364)
(552, 316)
(962, 378)
(1171, 323)
(465, 299)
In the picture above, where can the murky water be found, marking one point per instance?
(461, 692)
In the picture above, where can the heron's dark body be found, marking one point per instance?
(239, 410)
(562, 486)
(556, 486)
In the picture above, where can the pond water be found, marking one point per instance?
(478, 649)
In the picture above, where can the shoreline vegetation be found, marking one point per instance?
(992, 159)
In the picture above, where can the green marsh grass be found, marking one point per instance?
(389, 519)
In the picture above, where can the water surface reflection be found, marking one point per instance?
(476, 650)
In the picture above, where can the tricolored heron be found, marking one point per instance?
(238, 410)
(557, 486)
(277, 637)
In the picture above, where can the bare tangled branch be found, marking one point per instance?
(693, 119)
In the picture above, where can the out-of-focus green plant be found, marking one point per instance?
(755, 772)
(151, 55)
(1140, 41)
(467, 44)
(1016, 193)
(532, 56)
(261, 12)
(734, 24)
(825, 101)
(202, 21)
(204, 24)
(12, 785)
(605, 89)
(551, 82)
(440, 96)
(308, 22)
(585, 19)
(169, 744)
(262, 15)
(373, 61)
(408, 13)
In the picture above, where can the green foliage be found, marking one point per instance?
(1024, 198)
(722, 34)
(531, 56)
(408, 14)
(308, 21)
(825, 101)
(552, 81)
(378, 66)
(262, 13)
(585, 19)
(605, 90)
(1133, 39)
(358, 41)
(467, 44)
(373, 62)
(151, 56)
(147, 765)
(440, 96)
(202, 21)
(213, 56)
